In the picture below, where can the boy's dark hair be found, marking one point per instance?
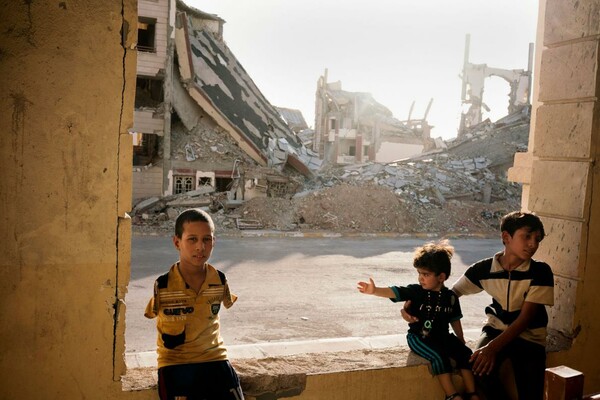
(517, 220)
(192, 215)
(434, 257)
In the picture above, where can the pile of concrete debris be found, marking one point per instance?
(459, 189)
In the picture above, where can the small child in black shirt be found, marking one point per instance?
(436, 307)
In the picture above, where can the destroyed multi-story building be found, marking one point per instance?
(352, 127)
(473, 80)
(200, 121)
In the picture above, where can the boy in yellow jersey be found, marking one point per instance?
(192, 360)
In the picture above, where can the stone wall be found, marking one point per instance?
(559, 173)
(147, 182)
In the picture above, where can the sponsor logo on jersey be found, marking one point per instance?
(178, 310)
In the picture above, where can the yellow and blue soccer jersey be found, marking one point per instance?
(531, 281)
(188, 322)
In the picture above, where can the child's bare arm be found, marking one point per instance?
(457, 328)
(484, 358)
(370, 288)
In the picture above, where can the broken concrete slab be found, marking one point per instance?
(190, 202)
(145, 204)
(200, 191)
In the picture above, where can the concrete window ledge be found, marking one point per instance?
(288, 376)
(338, 368)
(341, 368)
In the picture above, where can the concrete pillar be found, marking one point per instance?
(560, 171)
(67, 97)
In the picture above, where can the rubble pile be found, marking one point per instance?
(367, 205)
(458, 189)
(498, 141)
(209, 144)
(365, 208)
(441, 195)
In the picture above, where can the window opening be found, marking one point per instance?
(183, 184)
(146, 35)
(204, 181)
(223, 184)
(148, 92)
(145, 148)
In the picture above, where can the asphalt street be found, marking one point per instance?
(299, 288)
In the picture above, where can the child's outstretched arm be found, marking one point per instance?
(370, 288)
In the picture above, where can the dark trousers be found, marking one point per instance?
(528, 361)
(215, 380)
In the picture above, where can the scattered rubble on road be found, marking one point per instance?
(460, 188)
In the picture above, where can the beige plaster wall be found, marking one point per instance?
(388, 383)
(67, 102)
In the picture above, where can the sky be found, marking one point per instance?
(400, 51)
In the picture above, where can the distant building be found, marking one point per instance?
(351, 127)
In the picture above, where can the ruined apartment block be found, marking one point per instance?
(201, 124)
(149, 122)
(351, 127)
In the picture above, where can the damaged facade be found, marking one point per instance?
(209, 138)
(201, 124)
(473, 80)
(351, 127)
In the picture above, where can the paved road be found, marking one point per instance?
(294, 289)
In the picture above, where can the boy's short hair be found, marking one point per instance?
(515, 220)
(192, 215)
(434, 257)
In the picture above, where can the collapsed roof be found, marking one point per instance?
(218, 83)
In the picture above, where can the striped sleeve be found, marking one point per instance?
(542, 284)
(470, 281)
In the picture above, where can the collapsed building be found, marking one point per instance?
(459, 188)
(352, 127)
(201, 123)
(205, 136)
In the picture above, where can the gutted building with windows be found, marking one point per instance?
(352, 127)
(199, 118)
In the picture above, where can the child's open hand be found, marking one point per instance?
(366, 288)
